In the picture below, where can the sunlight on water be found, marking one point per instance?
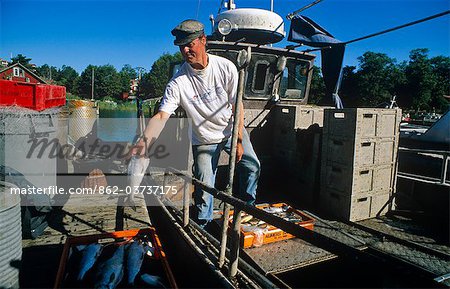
(120, 130)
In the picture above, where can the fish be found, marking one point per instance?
(246, 219)
(152, 280)
(149, 249)
(135, 256)
(136, 170)
(110, 271)
(73, 263)
(262, 225)
(89, 256)
(273, 210)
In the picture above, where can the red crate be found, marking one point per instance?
(129, 234)
(30, 95)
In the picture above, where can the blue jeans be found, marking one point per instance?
(206, 158)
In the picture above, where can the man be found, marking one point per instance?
(205, 86)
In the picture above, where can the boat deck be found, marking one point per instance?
(389, 236)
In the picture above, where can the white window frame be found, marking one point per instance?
(18, 72)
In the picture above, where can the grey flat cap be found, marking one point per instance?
(187, 31)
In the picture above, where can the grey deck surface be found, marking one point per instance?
(76, 220)
(295, 253)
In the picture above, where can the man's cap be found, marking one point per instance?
(187, 31)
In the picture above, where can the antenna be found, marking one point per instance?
(291, 15)
(198, 9)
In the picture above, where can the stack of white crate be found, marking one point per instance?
(297, 133)
(289, 120)
(359, 152)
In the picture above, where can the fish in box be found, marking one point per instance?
(255, 232)
(122, 259)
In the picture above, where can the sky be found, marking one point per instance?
(119, 32)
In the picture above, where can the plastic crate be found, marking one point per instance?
(362, 122)
(354, 208)
(272, 233)
(128, 234)
(30, 95)
(348, 180)
(298, 116)
(289, 119)
(364, 152)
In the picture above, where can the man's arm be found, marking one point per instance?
(151, 133)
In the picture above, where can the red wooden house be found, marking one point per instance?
(22, 87)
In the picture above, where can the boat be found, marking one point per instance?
(288, 137)
(302, 148)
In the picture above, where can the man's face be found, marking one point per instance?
(194, 51)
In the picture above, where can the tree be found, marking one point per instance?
(376, 78)
(154, 82)
(317, 90)
(68, 77)
(348, 91)
(127, 73)
(22, 59)
(48, 72)
(440, 66)
(106, 82)
(420, 79)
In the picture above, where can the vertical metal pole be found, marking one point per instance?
(444, 168)
(226, 211)
(92, 85)
(235, 240)
(186, 200)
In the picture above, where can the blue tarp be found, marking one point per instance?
(305, 31)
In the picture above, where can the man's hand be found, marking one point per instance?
(139, 149)
(239, 151)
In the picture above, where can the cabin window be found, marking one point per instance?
(260, 76)
(293, 83)
(18, 72)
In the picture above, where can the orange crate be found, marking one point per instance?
(128, 234)
(272, 233)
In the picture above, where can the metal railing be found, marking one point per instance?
(238, 205)
(425, 179)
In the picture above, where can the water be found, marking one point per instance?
(117, 125)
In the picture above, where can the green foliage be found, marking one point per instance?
(441, 70)
(376, 78)
(68, 77)
(317, 90)
(22, 59)
(419, 83)
(420, 80)
(127, 73)
(107, 82)
(154, 82)
(348, 90)
(47, 72)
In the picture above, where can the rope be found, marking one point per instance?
(399, 27)
(384, 31)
